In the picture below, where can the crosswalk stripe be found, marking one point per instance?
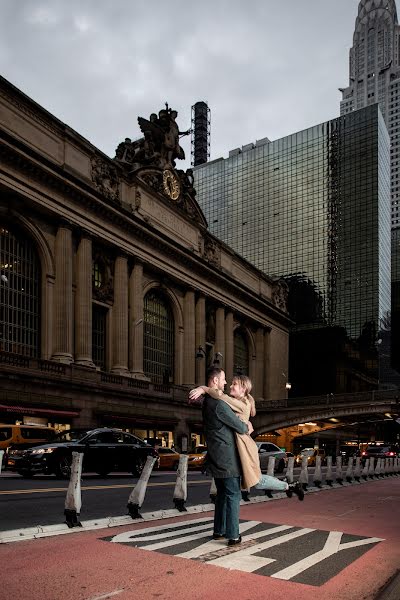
(212, 544)
(225, 561)
(139, 534)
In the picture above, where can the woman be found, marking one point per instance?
(242, 403)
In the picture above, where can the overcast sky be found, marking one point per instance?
(267, 68)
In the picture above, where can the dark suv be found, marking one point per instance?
(381, 451)
(104, 450)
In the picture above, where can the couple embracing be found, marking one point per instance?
(232, 455)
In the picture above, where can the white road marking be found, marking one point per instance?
(109, 595)
(212, 545)
(129, 536)
(226, 561)
(332, 546)
(158, 536)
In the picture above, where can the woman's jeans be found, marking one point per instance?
(227, 506)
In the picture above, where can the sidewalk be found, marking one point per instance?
(341, 543)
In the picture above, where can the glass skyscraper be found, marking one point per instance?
(374, 76)
(314, 208)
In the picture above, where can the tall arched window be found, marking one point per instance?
(19, 295)
(158, 342)
(241, 353)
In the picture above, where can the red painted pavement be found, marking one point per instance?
(81, 566)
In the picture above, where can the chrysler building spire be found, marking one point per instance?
(374, 76)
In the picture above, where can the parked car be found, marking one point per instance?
(311, 454)
(197, 458)
(381, 451)
(169, 459)
(104, 449)
(267, 449)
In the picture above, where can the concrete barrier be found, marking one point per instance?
(349, 470)
(303, 479)
(1, 459)
(317, 477)
(180, 492)
(338, 471)
(270, 472)
(213, 491)
(139, 491)
(73, 499)
(371, 469)
(329, 476)
(365, 471)
(357, 469)
(289, 470)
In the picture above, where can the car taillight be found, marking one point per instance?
(364, 454)
(389, 454)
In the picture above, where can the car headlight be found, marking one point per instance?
(197, 458)
(43, 451)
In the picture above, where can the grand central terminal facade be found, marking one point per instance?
(114, 296)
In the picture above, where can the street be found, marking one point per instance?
(338, 543)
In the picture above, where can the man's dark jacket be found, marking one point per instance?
(220, 424)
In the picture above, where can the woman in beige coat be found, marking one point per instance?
(242, 403)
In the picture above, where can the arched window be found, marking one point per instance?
(19, 295)
(158, 342)
(241, 353)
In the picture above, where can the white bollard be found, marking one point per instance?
(349, 470)
(357, 469)
(377, 471)
(365, 471)
(1, 459)
(371, 469)
(304, 472)
(329, 476)
(386, 466)
(317, 478)
(213, 490)
(270, 472)
(339, 474)
(73, 499)
(180, 492)
(289, 470)
(138, 493)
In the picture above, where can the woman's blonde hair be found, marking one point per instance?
(245, 382)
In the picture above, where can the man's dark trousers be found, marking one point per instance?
(227, 506)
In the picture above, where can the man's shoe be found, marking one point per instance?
(297, 488)
(217, 536)
(234, 542)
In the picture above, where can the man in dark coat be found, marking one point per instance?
(220, 424)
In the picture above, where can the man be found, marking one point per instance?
(220, 424)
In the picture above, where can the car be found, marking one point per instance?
(311, 454)
(381, 451)
(104, 450)
(168, 458)
(197, 458)
(267, 449)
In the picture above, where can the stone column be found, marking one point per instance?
(220, 335)
(136, 322)
(267, 365)
(229, 347)
(189, 339)
(259, 380)
(63, 298)
(120, 317)
(83, 304)
(201, 340)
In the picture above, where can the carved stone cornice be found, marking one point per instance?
(105, 178)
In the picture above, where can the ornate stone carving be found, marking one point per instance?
(280, 295)
(105, 178)
(212, 252)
